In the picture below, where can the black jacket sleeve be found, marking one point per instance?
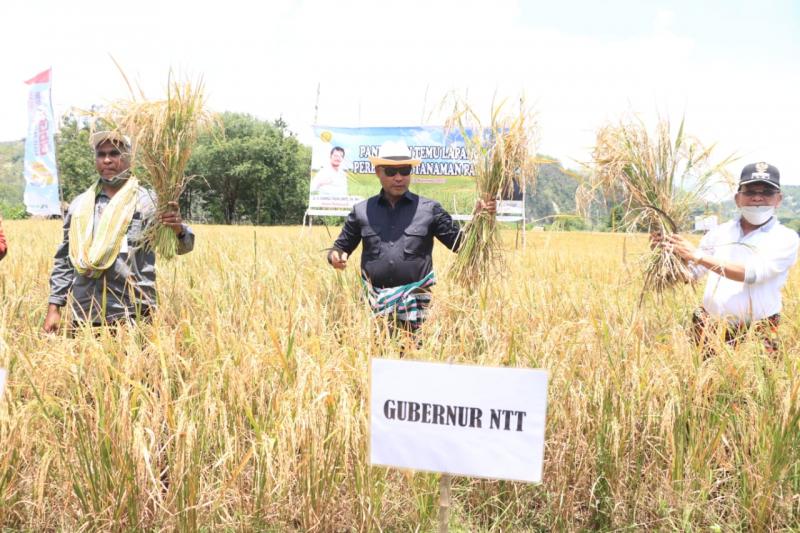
(350, 236)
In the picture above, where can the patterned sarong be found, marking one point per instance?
(408, 303)
(766, 330)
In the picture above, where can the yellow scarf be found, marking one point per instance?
(94, 250)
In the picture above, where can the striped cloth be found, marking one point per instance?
(408, 303)
(92, 250)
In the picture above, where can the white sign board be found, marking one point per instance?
(458, 419)
(334, 202)
(705, 223)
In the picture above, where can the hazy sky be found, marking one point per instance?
(730, 66)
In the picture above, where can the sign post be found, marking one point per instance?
(458, 420)
(444, 503)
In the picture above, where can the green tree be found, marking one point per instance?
(76, 166)
(249, 170)
(12, 182)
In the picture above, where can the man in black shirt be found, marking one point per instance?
(397, 228)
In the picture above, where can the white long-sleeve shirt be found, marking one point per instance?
(767, 253)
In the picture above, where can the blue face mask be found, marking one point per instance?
(118, 180)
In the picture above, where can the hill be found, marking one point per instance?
(552, 195)
(12, 183)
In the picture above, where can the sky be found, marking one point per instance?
(729, 67)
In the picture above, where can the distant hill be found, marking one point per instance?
(12, 182)
(788, 212)
(555, 188)
(553, 193)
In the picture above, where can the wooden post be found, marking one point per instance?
(524, 216)
(444, 503)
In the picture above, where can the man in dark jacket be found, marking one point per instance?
(397, 228)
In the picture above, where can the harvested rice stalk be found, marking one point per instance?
(501, 153)
(658, 182)
(164, 132)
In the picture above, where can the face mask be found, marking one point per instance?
(757, 214)
(117, 180)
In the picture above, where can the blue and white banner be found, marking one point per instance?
(41, 175)
(341, 173)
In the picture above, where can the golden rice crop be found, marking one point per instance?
(501, 152)
(244, 405)
(658, 181)
(164, 133)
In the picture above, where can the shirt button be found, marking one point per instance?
(391, 263)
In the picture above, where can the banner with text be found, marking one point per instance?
(41, 176)
(342, 175)
(458, 419)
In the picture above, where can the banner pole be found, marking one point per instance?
(61, 208)
(316, 121)
(524, 182)
(444, 503)
(524, 213)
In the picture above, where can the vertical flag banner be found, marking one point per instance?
(41, 176)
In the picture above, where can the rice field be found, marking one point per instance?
(243, 406)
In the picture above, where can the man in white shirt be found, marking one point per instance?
(331, 180)
(747, 261)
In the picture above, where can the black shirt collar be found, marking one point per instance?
(408, 196)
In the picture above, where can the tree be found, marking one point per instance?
(12, 183)
(76, 168)
(250, 170)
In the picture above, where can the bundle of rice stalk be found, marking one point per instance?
(163, 132)
(658, 182)
(501, 152)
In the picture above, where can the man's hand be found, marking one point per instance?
(656, 238)
(172, 218)
(680, 247)
(338, 259)
(53, 319)
(488, 206)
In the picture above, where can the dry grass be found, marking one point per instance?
(164, 133)
(501, 151)
(658, 180)
(244, 406)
